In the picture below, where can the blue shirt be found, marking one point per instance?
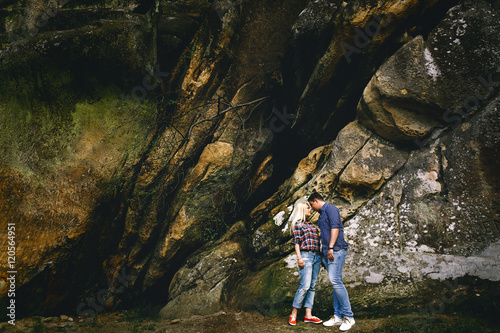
(329, 218)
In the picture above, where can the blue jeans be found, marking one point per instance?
(308, 278)
(341, 304)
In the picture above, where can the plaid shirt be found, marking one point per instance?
(306, 235)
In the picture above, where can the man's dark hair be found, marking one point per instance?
(315, 195)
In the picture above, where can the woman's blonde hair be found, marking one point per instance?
(299, 214)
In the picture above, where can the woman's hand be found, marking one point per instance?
(301, 263)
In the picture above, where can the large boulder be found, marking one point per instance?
(370, 168)
(437, 81)
(199, 287)
(364, 34)
(434, 220)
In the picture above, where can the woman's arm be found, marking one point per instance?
(300, 262)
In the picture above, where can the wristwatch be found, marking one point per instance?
(330, 248)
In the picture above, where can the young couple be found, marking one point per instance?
(333, 253)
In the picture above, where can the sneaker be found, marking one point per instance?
(334, 320)
(313, 319)
(346, 324)
(292, 321)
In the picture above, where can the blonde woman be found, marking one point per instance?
(306, 242)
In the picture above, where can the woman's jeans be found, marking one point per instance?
(308, 278)
(341, 304)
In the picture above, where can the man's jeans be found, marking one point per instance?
(341, 304)
(308, 278)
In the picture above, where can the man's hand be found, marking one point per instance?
(301, 263)
(329, 255)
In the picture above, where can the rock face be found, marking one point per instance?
(65, 130)
(156, 150)
(409, 95)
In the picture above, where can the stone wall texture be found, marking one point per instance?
(168, 142)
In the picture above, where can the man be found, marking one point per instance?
(334, 251)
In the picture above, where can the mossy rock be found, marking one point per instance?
(56, 79)
(270, 291)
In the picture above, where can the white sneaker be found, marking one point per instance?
(334, 320)
(347, 324)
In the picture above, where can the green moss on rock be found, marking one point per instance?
(270, 291)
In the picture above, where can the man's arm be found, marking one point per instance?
(334, 233)
(333, 216)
